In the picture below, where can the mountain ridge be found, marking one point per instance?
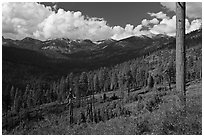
(48, 60)
(68, 46)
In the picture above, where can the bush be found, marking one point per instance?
(131, 98)
(104, 97)
(152, 101)
(82, 117)
(143, 127)
(140, 105)
(114, 97)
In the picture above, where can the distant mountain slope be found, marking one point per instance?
(52, 58)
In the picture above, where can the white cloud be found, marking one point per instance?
(146, 22)
(74, 26)
(137, 29)
(42, 23)
(168, 26)
(195, 24)
(193, 9)
(159, 15)
(154, 21)
(129, 30)
(20, 19)
(120, 33)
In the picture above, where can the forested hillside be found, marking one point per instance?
(132, 74)
(102, 68)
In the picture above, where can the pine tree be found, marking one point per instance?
(38, 95)
(62, 91)
(129, 80)
(121, 83)
(150, 82)
(170, 73)
(12, 97)
(101, 78)
(96, 83)
(106, 86)
(47, 96)
(67, 87)
(27, 96)
(17, 101)
(83, 80)
(71, 77)
(114, 80)
(77, 91)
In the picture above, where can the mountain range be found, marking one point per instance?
(29, 58)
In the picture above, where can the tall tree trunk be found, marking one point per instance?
(180, 51)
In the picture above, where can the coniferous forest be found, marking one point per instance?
(101, 68)
(132, 74)
(142, 87)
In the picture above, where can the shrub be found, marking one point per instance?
(82, 117)
(152, 101)
(140, 105)
(131, 98)
(143, 126)
(114, 97)
(104, 97)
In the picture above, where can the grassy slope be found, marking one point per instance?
(167, 119)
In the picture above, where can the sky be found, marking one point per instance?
(94, 20)
(115, 13)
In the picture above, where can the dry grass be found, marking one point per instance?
(166, 118)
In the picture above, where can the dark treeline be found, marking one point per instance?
(132, 74)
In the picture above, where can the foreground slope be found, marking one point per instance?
(166, 119)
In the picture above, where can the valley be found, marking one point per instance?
(36, 77)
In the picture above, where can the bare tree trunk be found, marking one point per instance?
(180, 51)
(71, 119)
(93, 111)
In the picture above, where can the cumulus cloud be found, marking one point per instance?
(193, 9)
(47, 23)
(159, 15)
(120, 32)
(168, 26)
(146, 22)
(21, 20)
(129, 30)
(195, 24)
(154, 21)
(41, 22)
(73, 25)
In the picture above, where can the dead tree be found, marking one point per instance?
(150, 82)
(71, 107)
(180, 50)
